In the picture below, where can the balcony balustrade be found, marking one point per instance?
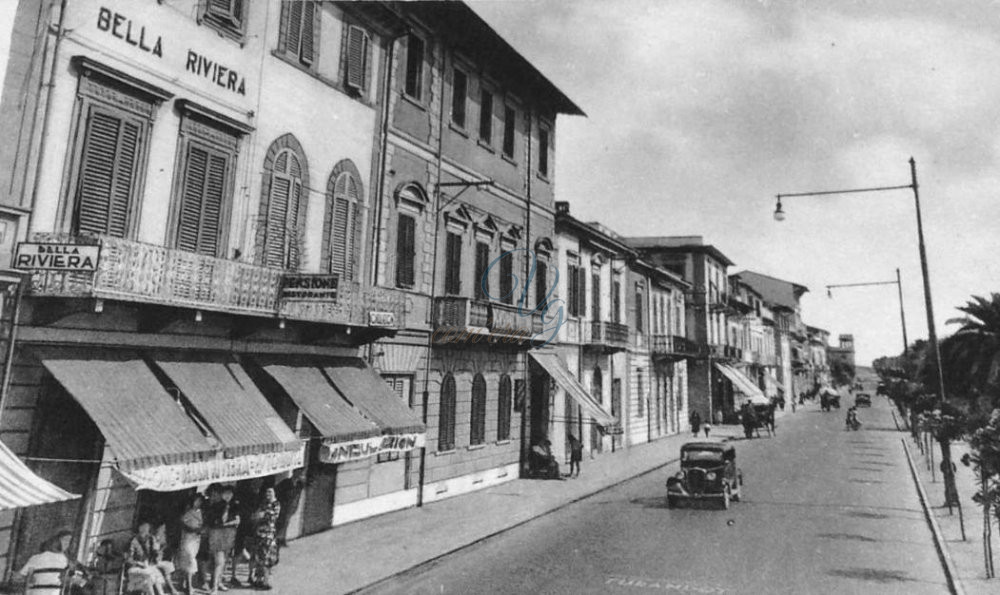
(131, 271)
(611, 336)
(467, 318)
(673, 347)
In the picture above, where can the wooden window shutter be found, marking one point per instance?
(446, 415)
(541, 285)
(638, 311)
(202, 197)
(482, 262)
(453, 262)
(477, 431)
(292, 235)
(405, 250)
(507, 278)
(293, 34)
(581, 308)
(307, 48)
(503, 409)
(277, 215)
(341, 213)
(357, 57)
(595, 296)
(109, 172)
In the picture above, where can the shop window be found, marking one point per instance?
(504, 408)
(357, 59)
(446, 415)
(402, 385)
(459, 97)
(453, 264)
(281, 213)
(477, 431)
(486, 116)
(299, 31)
(482, 269)
(205, 191)
(414, 82)
(342, 222)
(509, 128)
(226, 16)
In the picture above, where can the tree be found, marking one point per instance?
(970, 358)
(841, 372)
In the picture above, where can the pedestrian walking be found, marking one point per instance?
(575, 455)
(695, 420)
(264, 555)
(708, 428)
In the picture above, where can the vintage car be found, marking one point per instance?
(862, 400)
(708, 473)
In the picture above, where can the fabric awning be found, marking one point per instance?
(774, 382)
(743, 384)
(364, 388)
(230, 403)
(19, 486)
(550, 360)
(323, 404)
(142, 424)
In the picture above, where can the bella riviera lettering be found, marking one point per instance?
(122, 27)
(225, 77)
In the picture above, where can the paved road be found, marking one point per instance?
(825, 511)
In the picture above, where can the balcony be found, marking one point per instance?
(733, 353)
(131, 271)
(673, 347)
(464, 320)
(609, 336)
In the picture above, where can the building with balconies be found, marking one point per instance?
(464, 211)
(751, 327)
(819, 342)
(196, 235)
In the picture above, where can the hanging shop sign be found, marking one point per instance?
(305, 286)
(354, 450)
(57, 257)
(180, 476)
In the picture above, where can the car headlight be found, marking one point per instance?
(710, 476)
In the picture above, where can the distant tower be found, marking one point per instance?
(847, 342)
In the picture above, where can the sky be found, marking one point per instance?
(699, 112)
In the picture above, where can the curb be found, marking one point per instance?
(432, 562)
(954, 584)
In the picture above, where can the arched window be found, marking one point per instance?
(342, 224)
(503, 409)
(410, 203)
(477, 432)
(446, 415)
(281, 216)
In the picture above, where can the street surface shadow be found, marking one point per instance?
(654, 502)
(866, 481)
(847, 537)
(872, 574)
(880, 463)
(868, 469)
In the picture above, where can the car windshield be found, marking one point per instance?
(702, 456)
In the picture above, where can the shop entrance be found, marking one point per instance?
(64, 447)
(539, 407)
(318, 494)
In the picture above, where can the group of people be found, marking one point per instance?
(213, 527)
(696, 424)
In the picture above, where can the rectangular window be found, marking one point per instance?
(616, 301)
(543, 151)
(297, 38)
(414, 84)
(459, 95)
(356, 60)
(509, 127)
(638, 310)
(595, 296)
(507, 278)
(109, 182)
(573, 295)
(453, 265)
(482, 279)
(405, 250)
(226, 17)
(486, 116)
(204, 196)
(541, 285)
(581, 306)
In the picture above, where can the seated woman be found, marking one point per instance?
(143, 556)
(47, 570)
(543, 462)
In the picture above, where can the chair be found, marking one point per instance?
(47, 579)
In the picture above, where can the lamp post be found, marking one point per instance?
(899, 286)
(951, 494)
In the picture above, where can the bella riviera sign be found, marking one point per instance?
(57, 257)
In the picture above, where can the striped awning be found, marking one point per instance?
(362, 387)
(743, 384)
(19, 486)
(550, 360)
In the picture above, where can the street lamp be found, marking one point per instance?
(899, 286)
(779, 215)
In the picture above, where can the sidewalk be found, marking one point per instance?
(967, 556)
(350, 557)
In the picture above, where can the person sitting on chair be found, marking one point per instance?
(46, 570)
(544, 461)
(142, 559)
